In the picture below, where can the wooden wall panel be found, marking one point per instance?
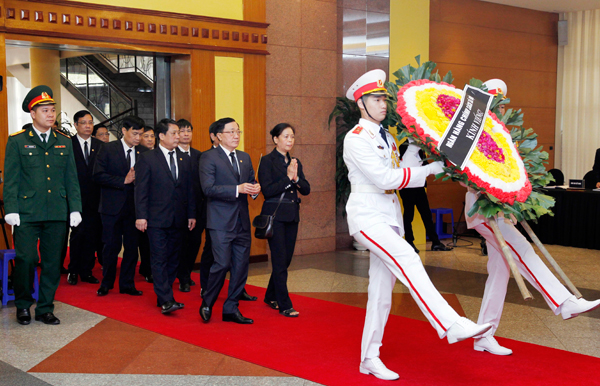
(477, 39)
(255, 10)
(67, 19)
(203, 97)
(3, 102)
(255, 106)
(181, 87)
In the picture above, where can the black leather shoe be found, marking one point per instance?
(184, 287)
(413, 246)
(102, 291)
(130, 291)
(23, 316)
(237, 318)
(72, 278)
(48, 318)
(171, 306)
(63, 271)
(89, 279)
(205, 312)
(245, 296)
(192, 283)
(149, 279)
(440, 247)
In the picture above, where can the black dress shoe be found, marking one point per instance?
(23, 316)
(102, 291)
(192, 283)
(47, 318)
(72, 278)
(130, 291)
(413, 246)
(245, 296)
(63, 271)
(184, 287)
(89, 279)
(171, 306)
(237, 317)
(440, 247)
(205, 312)
(149, 279)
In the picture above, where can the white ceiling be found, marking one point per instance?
(557, 6)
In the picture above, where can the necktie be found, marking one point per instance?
(129, 158)
(383, 135)
(235, 166)
(86, 152)
(43, 135)
(172, 163)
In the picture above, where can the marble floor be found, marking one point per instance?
(76, 352)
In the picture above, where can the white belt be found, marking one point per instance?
(369, 189)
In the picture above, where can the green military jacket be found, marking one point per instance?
(40, 178)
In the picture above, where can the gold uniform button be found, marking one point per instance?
(46, 153)
(61, 153)
(24, 196)
(49, 191)
(48, 178)
(47, 166)
(30, 154)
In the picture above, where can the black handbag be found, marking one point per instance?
(264, 223)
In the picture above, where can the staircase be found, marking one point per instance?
(110, 92)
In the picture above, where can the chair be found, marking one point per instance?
(589, 180)
(439, 222)
(559, 177)
(7, 295)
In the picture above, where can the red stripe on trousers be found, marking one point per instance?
(527, 268)
(407, 279)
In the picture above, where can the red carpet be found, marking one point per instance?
(323, 344)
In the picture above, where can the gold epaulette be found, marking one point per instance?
(18, 132)
(60, 132)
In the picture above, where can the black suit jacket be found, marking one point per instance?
(161, 200)
(110, 170)
(273, 179)
(596, 167)
(90, 192)
(219, 184)
(195, 178)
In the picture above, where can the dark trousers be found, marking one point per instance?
(206, 261)
(232, 253)
(282, 246)
(65, 244)
(191, 245)
(51, 236)
(144, 246)
(412, 197)
(165, 247)
(119, 231)
(84, 241)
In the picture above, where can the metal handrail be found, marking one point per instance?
(104, 78)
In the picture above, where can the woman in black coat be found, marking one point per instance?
(280, 173)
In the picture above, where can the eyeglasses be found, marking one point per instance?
(238, 132)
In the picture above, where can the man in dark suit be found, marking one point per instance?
(85, 238)
(165, 206)
(207, 259)
(227, 178)
(596, 168)
(115, 174)
(193, 238)
(148, 140)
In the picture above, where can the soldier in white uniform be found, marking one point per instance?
(375, 221)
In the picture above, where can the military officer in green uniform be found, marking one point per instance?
(40, 188)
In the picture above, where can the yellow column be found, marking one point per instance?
(44, 68)
(409, 37)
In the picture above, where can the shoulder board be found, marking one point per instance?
(18, 132)
(357, 130)
(60, 132)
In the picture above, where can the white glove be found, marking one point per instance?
(412, 149)
(13, 219)
(75, 219)
(435, 167)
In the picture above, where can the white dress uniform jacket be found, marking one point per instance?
(373, 167)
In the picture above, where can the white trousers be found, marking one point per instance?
(530, 266)
(392, 257)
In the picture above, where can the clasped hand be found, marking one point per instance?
(251, 189)
(292, 170)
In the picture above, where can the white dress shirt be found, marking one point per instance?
(168, 158)
(125, 148)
